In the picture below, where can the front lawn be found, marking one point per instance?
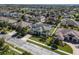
(38, 39)
(66, 48)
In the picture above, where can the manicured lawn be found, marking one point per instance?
(66, 48)
(38, 39)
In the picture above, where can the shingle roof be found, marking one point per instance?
(42, 26)
(61, 32)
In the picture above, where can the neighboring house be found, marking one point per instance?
(7, 19)
(70, 22)
(42, 18)
(27, 17)
(14, 14)
(20, 25)
(8, 14)
(40, 29)
(67, 34)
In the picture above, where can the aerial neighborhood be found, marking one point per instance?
(39, 29)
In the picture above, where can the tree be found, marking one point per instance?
(2, 42)
(58, 42)
(23, 17)
(3, 48)
(24, 30)
(61, 43)
(49, 40)
(54, 46)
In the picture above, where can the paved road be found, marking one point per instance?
(34, 49)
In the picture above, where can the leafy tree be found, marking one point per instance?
(23, 17)
(3, 48)
(61, 43)
(24, 30)
(2, 42)
(54, 46)
(49, 40)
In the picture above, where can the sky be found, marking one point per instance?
(39, 2)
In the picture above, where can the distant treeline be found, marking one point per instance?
(39, 5)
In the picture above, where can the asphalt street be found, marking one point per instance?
(34, 49)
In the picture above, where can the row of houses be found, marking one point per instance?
(38, 28)
(70, 22)
(10, 14)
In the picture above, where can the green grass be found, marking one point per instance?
(59, 52)
(36, 38)
(52, 30)
(66, 48)
(10, 52)
(47, 48)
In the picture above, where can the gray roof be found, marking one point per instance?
(41, 26)
(70, 22)
(61, 32)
